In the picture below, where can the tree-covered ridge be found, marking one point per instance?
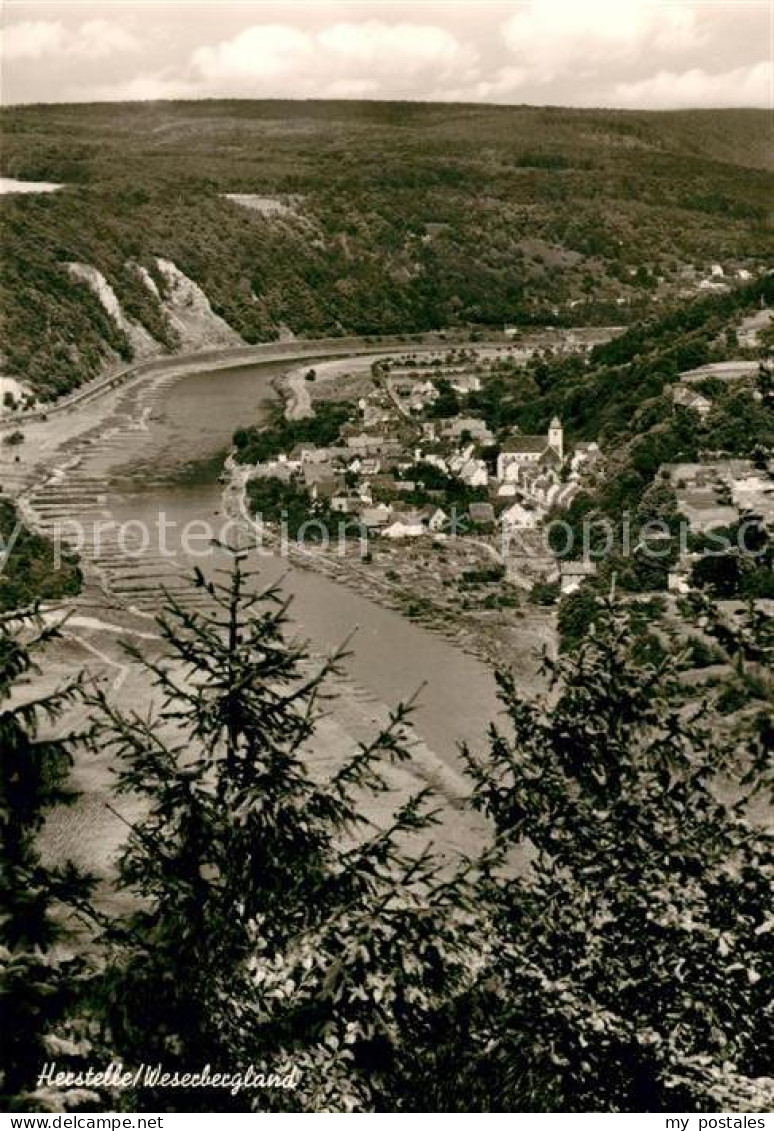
(616, 393)
(397, 217)
(622, 396)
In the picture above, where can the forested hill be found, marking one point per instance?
(359, 217)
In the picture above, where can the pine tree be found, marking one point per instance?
(274, 926)
(38, 985)
(634, 962)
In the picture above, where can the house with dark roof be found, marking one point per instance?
(482, 514)
(466, 427)
(376, 517)
(346, 504)
(321, 481)
(372, 444)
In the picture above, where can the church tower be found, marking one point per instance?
(556, 436)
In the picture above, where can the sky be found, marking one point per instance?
(626, 53)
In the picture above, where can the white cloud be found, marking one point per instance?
(550, 36)
(412, 47)
(351, 88)
(742, 86)
(649, 53)
(263, 52)
(49, 39)
(31, 40)
(507, 81)
(344, 60)
(96, 39)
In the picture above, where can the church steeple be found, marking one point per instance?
(556, 436)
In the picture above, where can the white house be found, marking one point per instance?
(465, 382)
(345, 504)
(460, 458)
(474, 473)
(376, 517)
(585, 453)
(684, 396)
(276, 469)
(374, 415)
(519, 516)
(404, 525)
(433, 460)
(573, 574)
(437, 520)
(529, 450)
(750, 328)
(679, 576)
(414, 395)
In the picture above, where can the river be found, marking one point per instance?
(191, 424)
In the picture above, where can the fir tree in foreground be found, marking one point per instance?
(38, 985)
(634, 962)
(273, 927)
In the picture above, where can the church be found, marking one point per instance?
(523, 451)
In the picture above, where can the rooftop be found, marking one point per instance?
(721, 370)
(481, 512)
(525, 444)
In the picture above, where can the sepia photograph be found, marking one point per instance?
(387, 562)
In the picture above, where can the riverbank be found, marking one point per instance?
(67, 467)
(117, 376)
(407, 578)
(50, 431)
(73, 431)
(500, 640)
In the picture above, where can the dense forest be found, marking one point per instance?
(381, 218)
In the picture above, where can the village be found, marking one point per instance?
(420, 494)
(417, 465)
